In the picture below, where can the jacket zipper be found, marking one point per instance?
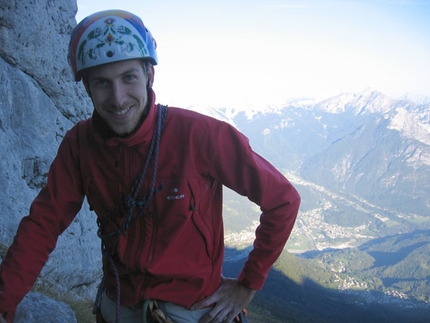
(136, 250)
(118, 156)
(153, 237)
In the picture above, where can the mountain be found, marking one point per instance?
(361, 164)
(360, 161)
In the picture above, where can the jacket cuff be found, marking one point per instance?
(6, 310)
(8, 317)
(251, 279)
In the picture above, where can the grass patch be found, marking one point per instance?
(83, 308)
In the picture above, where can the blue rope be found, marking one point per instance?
(128, 205)
(132, 200)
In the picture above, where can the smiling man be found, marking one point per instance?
(119, 93)
(154, 177)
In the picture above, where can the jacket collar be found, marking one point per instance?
(142, 134)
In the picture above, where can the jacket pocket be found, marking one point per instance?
(177, 242)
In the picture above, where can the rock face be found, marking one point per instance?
(36, 307)
(34, 36)
(39, 102)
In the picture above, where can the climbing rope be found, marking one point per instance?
(127, 208)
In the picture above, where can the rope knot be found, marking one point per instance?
(130, 203)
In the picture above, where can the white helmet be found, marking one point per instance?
(109, 36)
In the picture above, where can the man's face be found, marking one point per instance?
(119, 93)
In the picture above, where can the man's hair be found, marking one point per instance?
(145, 65)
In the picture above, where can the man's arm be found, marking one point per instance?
(51, 213)
(237, 166)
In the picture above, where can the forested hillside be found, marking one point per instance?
(311, 290)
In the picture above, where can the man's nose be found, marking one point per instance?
(118, 95)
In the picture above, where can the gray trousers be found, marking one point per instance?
(173, 312)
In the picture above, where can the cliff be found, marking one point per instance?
(39, 102)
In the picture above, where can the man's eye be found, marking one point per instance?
(129, 78)
(101, 83)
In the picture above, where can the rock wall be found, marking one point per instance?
(34, 35)
(39, 102)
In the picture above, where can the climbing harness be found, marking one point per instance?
(241, 318)
(152, 313)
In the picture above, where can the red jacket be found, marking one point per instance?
(174, 252)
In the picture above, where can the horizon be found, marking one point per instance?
(258, 53)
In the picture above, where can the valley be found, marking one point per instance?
(361, 242)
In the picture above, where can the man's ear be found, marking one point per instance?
(87, 87)
(150, 75)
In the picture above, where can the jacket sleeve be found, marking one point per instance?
(50, 214)
(241, 169)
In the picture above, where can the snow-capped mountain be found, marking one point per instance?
(361, 161)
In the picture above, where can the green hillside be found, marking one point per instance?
(398, 265)
(382, 281)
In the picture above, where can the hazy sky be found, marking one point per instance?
(264, 51)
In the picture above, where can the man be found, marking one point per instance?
(154, 177)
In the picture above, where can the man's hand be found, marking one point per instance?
(229, 301)
(2, 320)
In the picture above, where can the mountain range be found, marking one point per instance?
(361, 163)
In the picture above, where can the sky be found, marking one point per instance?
(258, 53)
